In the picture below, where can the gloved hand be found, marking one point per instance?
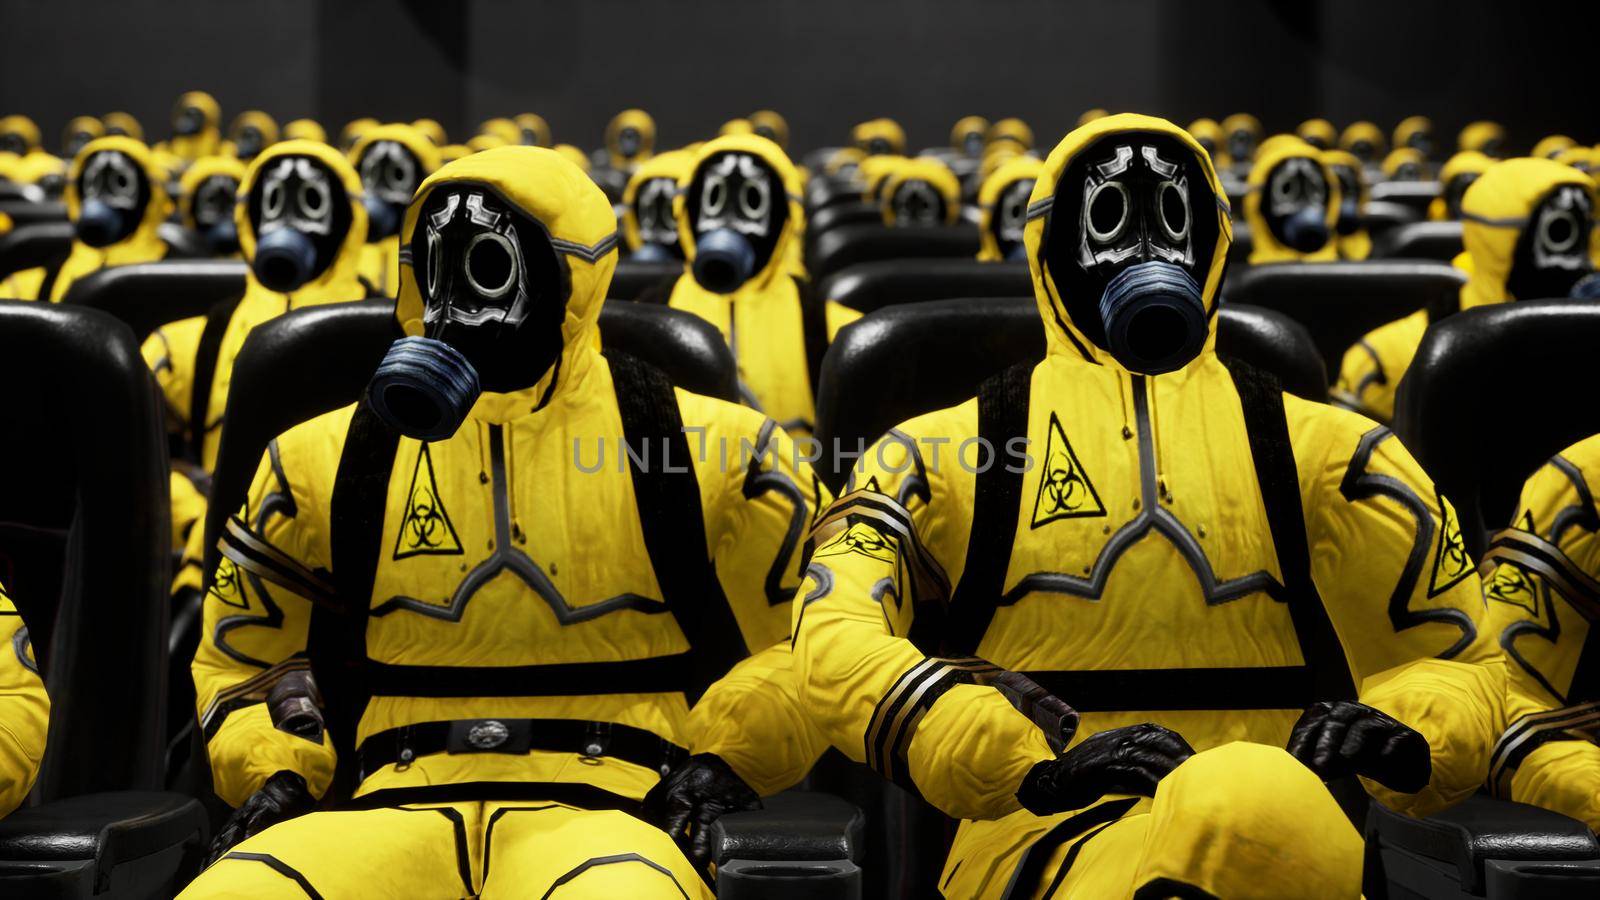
(283, 797)
(697, 793)
(1339, 738)
(1128, 760)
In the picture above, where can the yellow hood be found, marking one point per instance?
(155, 212)
(573, 155)
(1468, 162)
(88, 125)
(1014, 131)
(21, 127)
(772, 126)
(1358, 133)
(204, 142)
(673, 164)
(1484, 136)
(502, 128)
(552, 191)
(535, 130)
(124, 124)
(1411, 127)
(1062, 334)
(1319, 133)
(432, 130)
(1493, 213)
(874, 171)
(305, 130)
(1264, 247)
(1357, 244)
(263, 123)
(1018, 168)
(1399, 158)
(886, 130)
(354, 129)
(641, 122)
(935, 174)
(736, 126)
(426, 152)
(843, 158)
(204, 168)
(1552, 146)
(339, 281)
(1241, 122)
(966, 126)
(1581, 158)
(789, 180)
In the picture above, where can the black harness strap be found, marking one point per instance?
(205, 371)
(1028, 876)
(814, 328)
(996, 501)
(672, 520)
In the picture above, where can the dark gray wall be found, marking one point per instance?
(823, 63)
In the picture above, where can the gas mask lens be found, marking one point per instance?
(112, 193)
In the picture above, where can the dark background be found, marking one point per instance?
(825, 64)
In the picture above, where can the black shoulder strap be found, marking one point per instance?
(205, 370)
(672, 519)
(814, 328)
(996, 498)
(1261, 396)
(337, 643)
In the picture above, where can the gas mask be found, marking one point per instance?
(112, 193)
(390, 175)
(300, 214)
(1363, 150)
(1349, 199)
(1241, 144)
(75, 142)
(212, 209)
(1131, 233)
(737, 209)
(972, 143)
(248, 141)
(1410, 170)
(1454, 190)
(916, 202)
(494, 294)
(1295, 203)
(658, 230)
(629, 142)
(1010, 217)
(188, 121)
(11, 142)
(878, 146)
(1420, 141)
(1552, 252)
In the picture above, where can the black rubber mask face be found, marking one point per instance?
(739, 192)
(917, 202)
(248, 141)
(1127, 199)
(300, 194)
(1241, 144)
(390, 172)
(1552, 251)
(1011, 216)
(75, 142)
(652, 207)
(213, 200)
(11, 142)
(112, 180)
(492, 285)
(629, 142)
(1296, 191)
(188, 120)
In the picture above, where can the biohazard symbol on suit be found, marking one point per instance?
(1451, 563)
(1065, 491)
(426, 528)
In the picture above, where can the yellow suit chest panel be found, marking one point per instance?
(498, 551)
(1143, 547)
(765, 330)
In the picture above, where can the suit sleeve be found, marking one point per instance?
(752, 717)
(945, 728)
(1363, 385)
(24, 710)
(1405, 598)
(256, 617)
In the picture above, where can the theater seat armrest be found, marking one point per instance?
(106, 829)
(794, 825)
(1480, 829)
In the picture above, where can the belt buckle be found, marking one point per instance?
(596, 739)
(511, 736)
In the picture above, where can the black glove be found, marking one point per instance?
(1339, 738)
(1128, 760)
(697, 793)
(283, 797)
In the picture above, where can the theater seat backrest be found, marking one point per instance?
(1492, 394)
(1420, 240)
(927, 356)
(848, 245)
(38, 245)
(633, 278)
(873, 285)
(22, 212)
(1416, 195)
(846, 213)
(149, 295)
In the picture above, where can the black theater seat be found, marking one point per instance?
(1420, 240)
(827, 190)
(634, 278)
(1416, 195)
(1380, 217)
(843, 213)
(149, 295)
(1243, 243)
(872, 285)
(848, 245)
(83, 538)
(23, 212)
(927, 356)
(800, 844)
(1339, 302)
(39, 245)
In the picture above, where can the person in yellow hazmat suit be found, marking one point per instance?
(208, 192)
(252, 131)
(502, 128)
(1364, 140)
(123, 124)
(354, 129)
(19, 135)
(1525, 224)
(920, 191)
(536, 719)
(116, 201)
(772, 126)
(1404, 164)
(630, 139)
(1292, 205)
(1010, 134)
(1415, 132)
(1544, 601)
(1209, 135)
(392, 161)
(301, 223)
(30, 163)
(535, 130)
(1003, 207)
(1483, 136)
(736, 126)
(879, 137)
(24, 709)
(649, 226)
(80, 130)
(873, 172)
(969, 135)
(305, 130)
(1455, 176)
(432, 130)
(1244, 133)
(1131, 665)
(1350, 232)
(1550, 147)
(1319, 133)
(196, 124)
(738, 209)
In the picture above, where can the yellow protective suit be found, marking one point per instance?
(481, 142)
(1550, 147)
(80, 130)
(919, 182)
(664, 171)
(772, 126)
(874, 172)
(1265, 247)
(1493, 212)
(1484, 136)
(124, 124)
(354, 129)
(1545, 600)
(1010, 133)
(487, 579)
(968, 135)
(1243, 133)
(641, 122)
(999, 224)
(502, 128)
(206, 141)
(740, 125)
(1455, 176)
(1348, 171)
(432, 130)
(535, 130)
(262, 123)
(1364, 140)
(1213, 140)
(1404, 164)
(305, 130)
(879, 137)
(1415, 132)
(173, 350)
(203, 170)
(24, 709)
(1319, 133)
(1141, 584)
(568, 152)
(19, 135)
(380, 258)
(766, 321)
